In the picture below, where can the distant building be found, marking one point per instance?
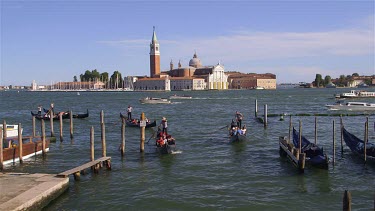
(193, 77)
(239, 80)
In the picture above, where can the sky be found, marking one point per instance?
(55, 40)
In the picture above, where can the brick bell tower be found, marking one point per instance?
(154, 56)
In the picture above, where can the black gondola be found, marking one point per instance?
(65, 115)
(236, 134)
(165, 145)
(314, 154)
(135, 122)
(357, 145)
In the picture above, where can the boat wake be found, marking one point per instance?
(176, 152)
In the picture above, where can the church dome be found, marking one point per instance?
(195, 62)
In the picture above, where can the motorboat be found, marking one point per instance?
(357, 94)
(352, 106)
(154, 100)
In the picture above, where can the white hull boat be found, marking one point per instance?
(352, 106)
(153, 100)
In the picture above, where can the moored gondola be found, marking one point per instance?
(81, 116)
(357, 146)
(314, 154)
(135, 122)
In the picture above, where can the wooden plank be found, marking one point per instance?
(290, 155)
(82, 167)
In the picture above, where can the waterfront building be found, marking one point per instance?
(239, 80)
(193, 77)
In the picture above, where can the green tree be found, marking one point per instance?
(75, 79)
(342, 81)
(318, 80)
(327, 80)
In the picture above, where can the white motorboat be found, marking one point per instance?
(180, 97)
(352, 106)
(357, 94)
(12, 130)
(154, 100)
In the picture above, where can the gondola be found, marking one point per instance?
(135, 123)
(81, 116)
(165, 148)
(65, 115)
(237, 135)
(314, 154)
(357, 145)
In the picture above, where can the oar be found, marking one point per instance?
(151, 137)
(221, 128)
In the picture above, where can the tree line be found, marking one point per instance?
(115, 81)
(342, 81)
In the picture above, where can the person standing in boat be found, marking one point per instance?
(239, 118)
(164, 125)
(40, 110)
(129, 111)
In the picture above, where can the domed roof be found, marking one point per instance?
(195, 62)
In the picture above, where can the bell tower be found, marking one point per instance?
(154, 56)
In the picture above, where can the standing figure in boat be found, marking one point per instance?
(40, 107)
(129, 111)
(239, 118)
(164, 125)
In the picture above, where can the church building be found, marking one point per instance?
(193, 77)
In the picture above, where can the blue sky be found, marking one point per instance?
(51, 41)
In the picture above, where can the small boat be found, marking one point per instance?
(180, 97)
(81, 116)
(154, 100)
(135, 122)
(12, 130)
(314, 154)
(237, 135)
(29, 148)
(165, 146)
(65, 115)
(357, 94)
(352, 106)
(357, 145)
(259, 87)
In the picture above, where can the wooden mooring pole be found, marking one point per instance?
(61, 127)
(71, 124)
(341, 135)
(300, 137)
(20, 142)
(256, 108)
(43, 138)
(92, 149)
(51, 123)
(104, 147)
(365, 140)
(265, 115)
(316, 130)
(334, 145)
(1, 150)
(123, 137)
(290, 129)
(347, 201)
(33, 119)
(4, 129)
(143, 129)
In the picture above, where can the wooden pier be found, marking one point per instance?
(288, 150)
(96, 164)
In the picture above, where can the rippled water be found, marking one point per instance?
(207, 172)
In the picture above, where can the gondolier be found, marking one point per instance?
(129, 111)
(164, 125)
(239, 118)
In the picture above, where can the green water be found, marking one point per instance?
(207, 173)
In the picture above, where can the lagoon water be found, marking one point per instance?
(207, 173)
